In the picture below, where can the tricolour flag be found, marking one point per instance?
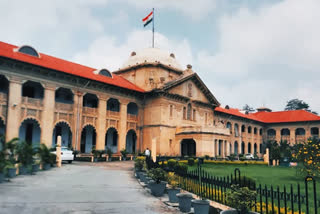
(149, 18)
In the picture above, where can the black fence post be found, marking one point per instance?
(285, 198)
(237, 171)
(310, 178)
(278, 195)
(260, 189)
(266, 192)
(299, 201)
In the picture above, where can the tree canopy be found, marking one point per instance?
(296, 104)
(248, 108)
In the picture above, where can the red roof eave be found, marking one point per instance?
(46, 61)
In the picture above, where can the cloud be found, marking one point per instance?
(266, 56)
(108, 52)
(49, 24)
(197, 10)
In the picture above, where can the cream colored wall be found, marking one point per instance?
(148, 78)
(183, 90)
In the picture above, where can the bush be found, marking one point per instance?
(247, 182)
(173, 180)
(139, 163)
(241, 198)
(44, 154)
(171, 164)
(25, 153)
(52, 159)
(181, 168)
(207, 157)
(124, 153)
(190, 161)
(109, 152)
(157, 174)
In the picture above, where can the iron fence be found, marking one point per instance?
(270, 199)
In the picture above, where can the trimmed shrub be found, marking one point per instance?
(171, 164)
(181, 168)
(190, 161)
(139, 163)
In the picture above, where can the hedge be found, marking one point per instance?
(228, 162)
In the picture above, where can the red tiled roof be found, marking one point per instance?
(7, 50)
(286, 116)
(273, 117)
(236, 112)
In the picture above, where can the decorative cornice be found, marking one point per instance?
(148, 64)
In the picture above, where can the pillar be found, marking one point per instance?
(122, 126)
(47, 118)
(77, 128)
(214, 148)
(14, 106)
(101, 124)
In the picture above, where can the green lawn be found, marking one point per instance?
(277, 176)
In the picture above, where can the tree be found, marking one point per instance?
(248, 108)
(296, 104)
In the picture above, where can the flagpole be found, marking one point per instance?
(153, 28)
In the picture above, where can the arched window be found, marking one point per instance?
(90, 100)
(229, 126)
(184, 113)
(285, 132)
(300, 131)
(113, 105)
(189, 112)
(28, 50)
(260, 131)
(243, 128)
(314, 131)
(132, 108)
(255, 130)
(105, 72)
(271, 132)
(236, 130)
(171, 110)
(249, 129)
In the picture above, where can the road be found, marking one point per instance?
(79, 188)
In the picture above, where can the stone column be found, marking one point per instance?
(14, 108)
(123, 126)
(77, 120)
(252, 148)
(214, 148)
(278, 135)
(47, 116)
(292, 136)
(239, 148)
(101, 123)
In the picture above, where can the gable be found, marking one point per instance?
(189, 89)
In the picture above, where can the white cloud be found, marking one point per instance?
(108, 52)
(267, 56)
(194, 9)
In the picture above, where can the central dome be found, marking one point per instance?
(152, 55)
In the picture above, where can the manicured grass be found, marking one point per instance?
(276, 176)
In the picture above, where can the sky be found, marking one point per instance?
(255, 52)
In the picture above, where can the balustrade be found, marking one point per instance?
(32, 101)
(113, 113)
(89, 110)
(132, 117)
(63, 107)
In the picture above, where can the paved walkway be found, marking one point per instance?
(79, 188)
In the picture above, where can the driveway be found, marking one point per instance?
(79, 188)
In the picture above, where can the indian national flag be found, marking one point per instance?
(146, 20)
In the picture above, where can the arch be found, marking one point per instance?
(26, 49)
(113, 105)
(236, 146)
(255, 130)
(4, 84)
(111, 140)
(260, 148)
(104, 72)
(249, 148)
(242, 147)
(260, 131)
(88, 138)
(255, 151)
(131, 141)
(300, 131)
(32, 89)
(271, 132)
(64, 95)
(236, 130)
(314, 131)
(30, 131)
(229, 126)
(90, 100)
(189, 108)
(243, 128)
(188, 147)
(2, 127)
(132, 108)
(62, 129)
(285, 132)
(249, 129)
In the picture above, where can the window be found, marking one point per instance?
(184, 112)
(189, 112)
(105, 72)
(171, 110)
(28, 50)
(194, 115)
